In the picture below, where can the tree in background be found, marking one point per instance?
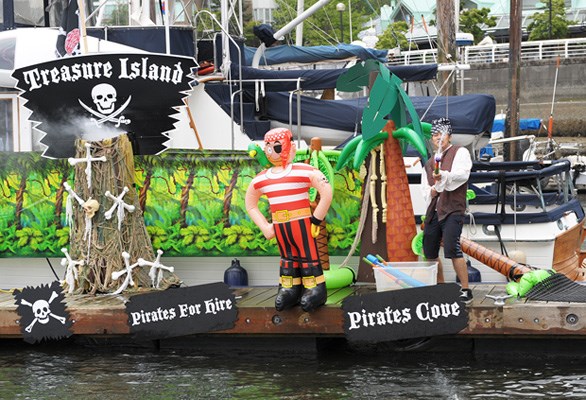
(554, 11)
(472, 19)
(394, 36)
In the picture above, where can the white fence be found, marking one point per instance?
(538, 50)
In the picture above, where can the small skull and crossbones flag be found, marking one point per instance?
(42, 312)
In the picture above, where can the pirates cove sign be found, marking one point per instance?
(404, 314)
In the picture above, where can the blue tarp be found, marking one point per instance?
(312, 54)
(526, 124)
(470, 114)
(319, 79)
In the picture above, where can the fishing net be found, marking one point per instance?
(558, 287)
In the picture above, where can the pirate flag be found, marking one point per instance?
(42, 313)
(69, 33)
(100, 96)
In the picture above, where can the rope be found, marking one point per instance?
(361, 222)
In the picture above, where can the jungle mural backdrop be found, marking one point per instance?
(193, 204)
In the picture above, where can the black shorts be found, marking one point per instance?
(448, 230)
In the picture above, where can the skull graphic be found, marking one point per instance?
(41, 310)
(104, 96)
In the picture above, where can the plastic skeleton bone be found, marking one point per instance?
(156, 265)
(372, 188)
(69, 211)
(42, 311)
(71, 271)
(127, 270)
(120, 205)
(88, 159)
(383, 190)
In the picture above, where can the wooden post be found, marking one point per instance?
(446, 34)
(512, 118)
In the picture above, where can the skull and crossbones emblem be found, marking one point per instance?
(42, 311)
(105, 97)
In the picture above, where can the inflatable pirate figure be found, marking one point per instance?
(295, 227)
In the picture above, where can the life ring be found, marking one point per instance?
(337, 277)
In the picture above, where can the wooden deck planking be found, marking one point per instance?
(105, 315)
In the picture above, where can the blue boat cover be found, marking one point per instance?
(526, 124)
(311, 54)
(470, 114)
(312, 79)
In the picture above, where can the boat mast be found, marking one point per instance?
(512, 116)
(288, 28)
(446, 33)
(299, 29)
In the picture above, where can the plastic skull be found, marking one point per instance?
(41, 310)
(90, 207)
(104, 96)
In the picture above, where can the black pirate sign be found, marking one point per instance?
(42, 313)
(101, 96)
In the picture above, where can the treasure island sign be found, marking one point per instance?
(93, 97)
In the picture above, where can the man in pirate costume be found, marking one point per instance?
(293, 224)
(444, 182)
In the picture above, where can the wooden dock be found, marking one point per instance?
(104, 315)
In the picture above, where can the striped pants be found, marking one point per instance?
(296, 245)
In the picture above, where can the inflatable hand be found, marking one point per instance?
(314, 231)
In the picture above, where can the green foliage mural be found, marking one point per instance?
(193, 204)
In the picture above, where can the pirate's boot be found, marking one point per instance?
(289, 287)
(314, 286)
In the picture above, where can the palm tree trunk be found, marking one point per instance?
(228, 199)
(401, 227)
(20, 200)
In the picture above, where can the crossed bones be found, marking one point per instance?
(88, 159)
(111, 117)
(128, 271)
(118, 204)
(42, 317)
(156, 265)
(71, 272)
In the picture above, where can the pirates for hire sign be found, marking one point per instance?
(98, 96)
(404, 314)
(182, 311)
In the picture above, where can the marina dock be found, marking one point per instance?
(105, 316)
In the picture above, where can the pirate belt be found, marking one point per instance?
(286, 215)
(308, 281)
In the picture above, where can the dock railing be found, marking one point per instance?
(499, 52)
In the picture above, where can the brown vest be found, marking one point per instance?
(447, 202)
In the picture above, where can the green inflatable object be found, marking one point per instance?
(337, 277)
(417, 244)
(527, 282)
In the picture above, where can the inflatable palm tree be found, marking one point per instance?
(385, 128)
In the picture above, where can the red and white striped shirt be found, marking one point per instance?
(286, 190)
